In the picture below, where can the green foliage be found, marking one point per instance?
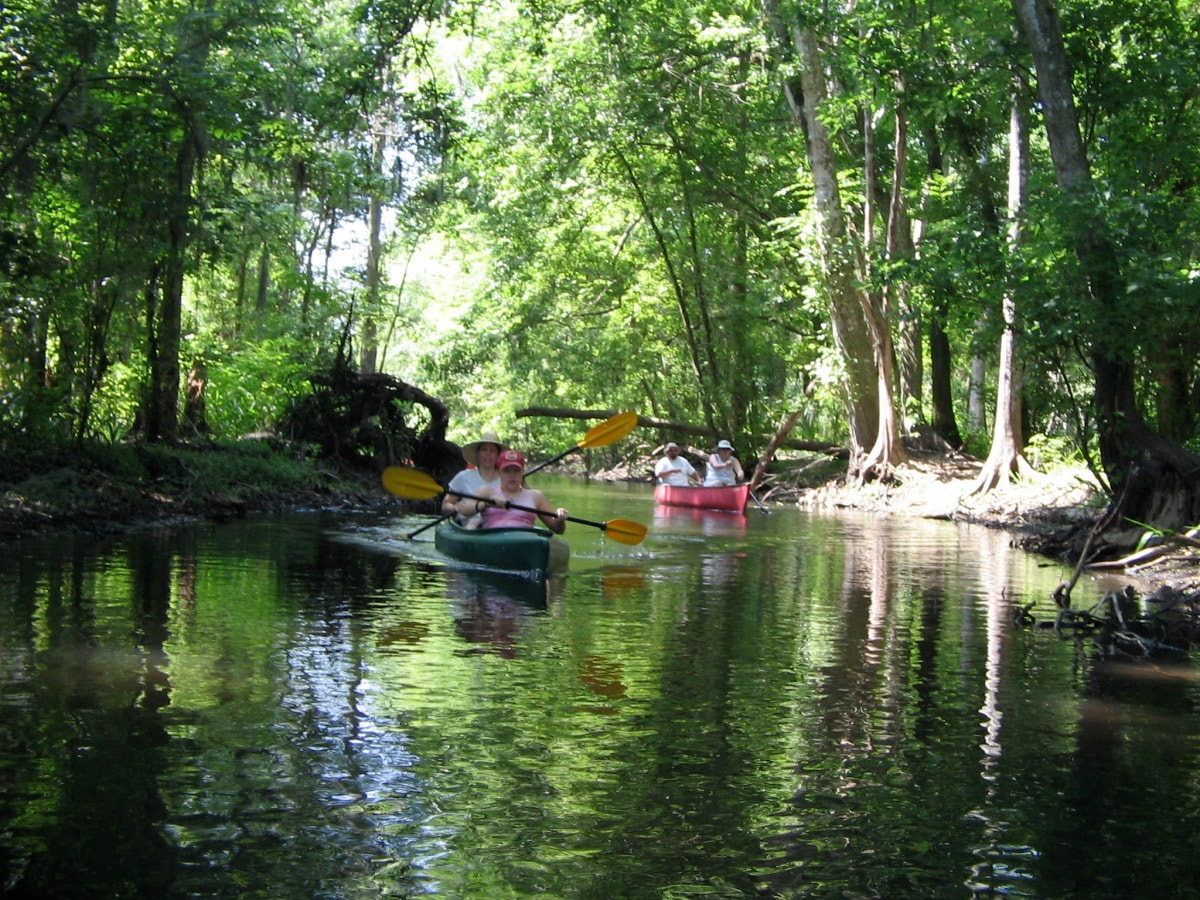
(250, 387)
(116, 403)
(1046, 453)
(585, 205)
(234, 467)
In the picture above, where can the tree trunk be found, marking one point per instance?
(764, 462)
(162, 419)
(901, 249)
(851, 330)
(165, 325)
(976, 417)
(691, 332)
(1005, 457)
(1154, 480)
(941, 374)
(368, 359)
(262, 289)
(941, 369)
(194, 414)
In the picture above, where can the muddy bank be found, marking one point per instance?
(110, 490)
(104, 491)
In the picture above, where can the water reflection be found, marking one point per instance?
(489, 607)
(801, 706)
(704, 521)
(620, 582)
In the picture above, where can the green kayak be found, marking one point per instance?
(533, 551)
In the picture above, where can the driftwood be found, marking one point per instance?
(769, 453)
(675, 428)
(372, 420)
(1171, 542)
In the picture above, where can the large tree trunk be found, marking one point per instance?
(941, 374)
(941, 369)
(851, 331)
(888, 449)
(1154, 481)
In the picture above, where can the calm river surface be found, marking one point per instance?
(784, 705)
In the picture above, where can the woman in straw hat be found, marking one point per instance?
(723, 468)
(481, 471)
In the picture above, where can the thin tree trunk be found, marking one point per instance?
(368, 359)
(162, 421)
(976, 418)
(1005, 456)
(901, 248)
(944, 420)
(165, 327)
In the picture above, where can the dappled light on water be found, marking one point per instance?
(785, 705)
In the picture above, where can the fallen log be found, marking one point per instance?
(676, 428)
(769, 453)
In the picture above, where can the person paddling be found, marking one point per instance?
(493, 502)
(723, 468)
(481, 472)
(675, 469)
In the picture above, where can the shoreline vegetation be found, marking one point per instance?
(110, 489)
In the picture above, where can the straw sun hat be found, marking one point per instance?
(470, 451)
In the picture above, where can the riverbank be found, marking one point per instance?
(1040, 511)
(107, 490)
(103, 490)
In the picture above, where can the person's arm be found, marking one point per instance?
(461, 483)
(471, 506)
(554, 519)
(450, 499)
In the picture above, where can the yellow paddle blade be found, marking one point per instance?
(410, 484)
(623, 531)
(610, 430)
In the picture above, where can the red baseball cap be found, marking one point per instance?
(510, 458)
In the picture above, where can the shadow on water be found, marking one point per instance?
(789, 705)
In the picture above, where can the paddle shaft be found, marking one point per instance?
(438, 521)
(551, 461)
(444, 516)
(607, 432)
(508, 504)
(413, 485)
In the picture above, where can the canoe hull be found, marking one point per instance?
(731, 499)
(532, 551)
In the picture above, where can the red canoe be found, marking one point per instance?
(731, 498)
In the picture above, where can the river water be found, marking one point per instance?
(783, 705)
